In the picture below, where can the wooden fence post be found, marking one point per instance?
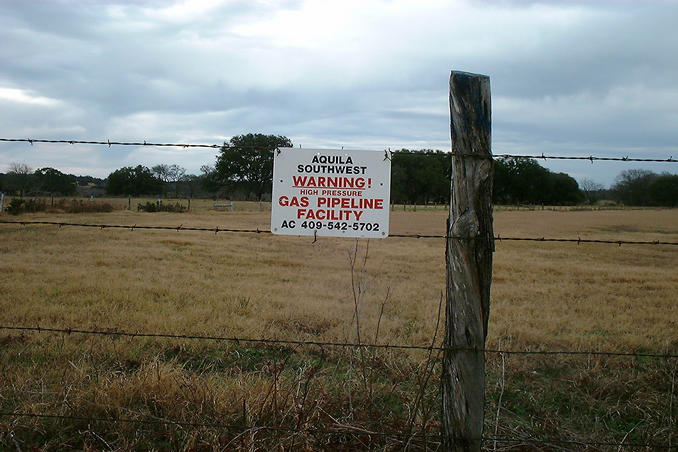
(469, 263)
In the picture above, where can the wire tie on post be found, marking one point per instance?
(591, 158)
(109, 142)
(216, 230)
(578, 240)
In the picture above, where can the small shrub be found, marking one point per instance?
(160, 207)
(81, 206)
(21, 205)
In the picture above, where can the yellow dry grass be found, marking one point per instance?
(544, 296)
(259, 285)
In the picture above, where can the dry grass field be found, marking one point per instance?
(545, 296)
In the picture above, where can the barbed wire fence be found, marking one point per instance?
(339, 430)
(223, 230)
(542, 156)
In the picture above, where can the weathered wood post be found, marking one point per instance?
(469, 263)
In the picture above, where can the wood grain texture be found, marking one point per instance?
(469, 262)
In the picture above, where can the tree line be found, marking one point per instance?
(244, 170)
(638, 187)
(22, 180)
(245, 165)
(422, 177)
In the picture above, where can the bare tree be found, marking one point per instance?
(590, 188)
(169, 174)
(20, 176)
(161, 172)
(175, 174)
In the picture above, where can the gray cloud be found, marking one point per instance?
(567, 77)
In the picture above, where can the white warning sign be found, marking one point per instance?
(333, 193)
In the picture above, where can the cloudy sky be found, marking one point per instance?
(568, 77)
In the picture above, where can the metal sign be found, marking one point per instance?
(332, 193)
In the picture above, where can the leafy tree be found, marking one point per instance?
(84, 181)
(663, 190)
(54, 181)
(246, 162)
(420, 176)
(133, 181)
(209, 179)
(190, 183)
(519, 180)
(631, 186)
(638, 187)
(564, 189)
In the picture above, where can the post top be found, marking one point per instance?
(467, 74)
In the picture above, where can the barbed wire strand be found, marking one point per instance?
(238, 340)
(542, 156)
(590, 158)
(340, 430)
(347, 429)
(113, 143)
(218, 229)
